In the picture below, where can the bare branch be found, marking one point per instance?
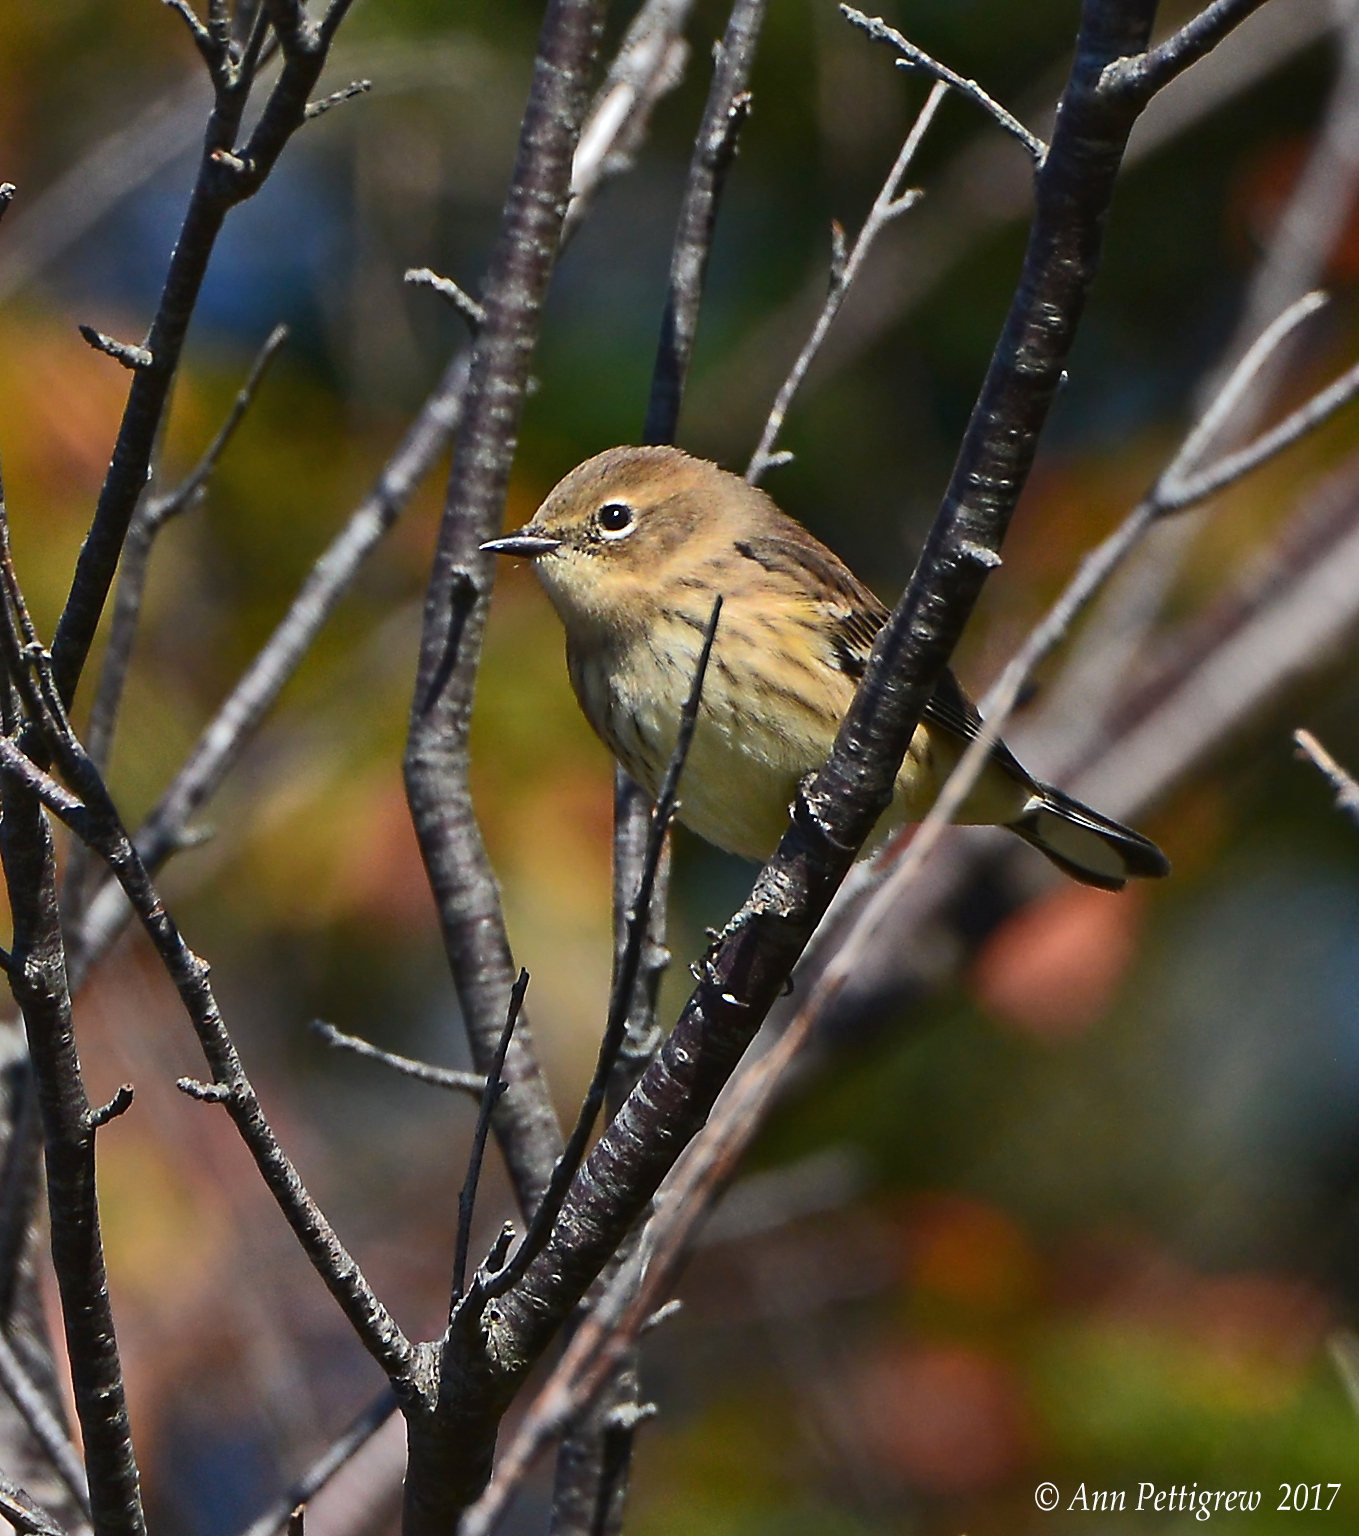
(421, 1071)
(315, 109)
(1265, 638)
(540, 1228)
(224, 179)
(38, 980)
(121, 351)
(917, 58)
(1235, 466)
(714, 149)
(445, 287)
(1294, 259)
(888, 205)
(64, 805)
(688, 269)
(494, 1087)
(151, 515)
(39, 985)
(118, 1105)
(1346, 789)
(436, 761)
(1141, 76)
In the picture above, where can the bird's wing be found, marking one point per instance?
(852, 616)
(844, 609)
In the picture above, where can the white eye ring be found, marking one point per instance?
(616, 519)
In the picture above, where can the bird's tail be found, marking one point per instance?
(1085, 845)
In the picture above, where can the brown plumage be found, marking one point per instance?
(633, 546)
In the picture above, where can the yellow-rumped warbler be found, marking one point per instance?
(634, 545)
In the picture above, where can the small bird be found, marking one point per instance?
(633, 547)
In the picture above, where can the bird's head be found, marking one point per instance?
(611, 533)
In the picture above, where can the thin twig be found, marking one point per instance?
(493, 1088)
(43, 1425)
(917, 58)
(694, 231)
(590, 1486)
(1343, 783)
(1232, 467)
(888, 205)
(315, 109)
(1236, 386)
(151, 515)
(540, 1228)
(159, 509)
(118, 1105)
(422, 1071)
(340, 1451)
(1296, 256)
(714, 149)
(130, 356)
(446, 288)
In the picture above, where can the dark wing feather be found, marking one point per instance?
(951, 708)
(854, 616)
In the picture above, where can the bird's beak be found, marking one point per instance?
(525, 542)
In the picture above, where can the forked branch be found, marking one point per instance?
(1141, 76)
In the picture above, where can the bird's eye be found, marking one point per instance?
(615, 519)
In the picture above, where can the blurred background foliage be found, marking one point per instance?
(1089, 1214)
